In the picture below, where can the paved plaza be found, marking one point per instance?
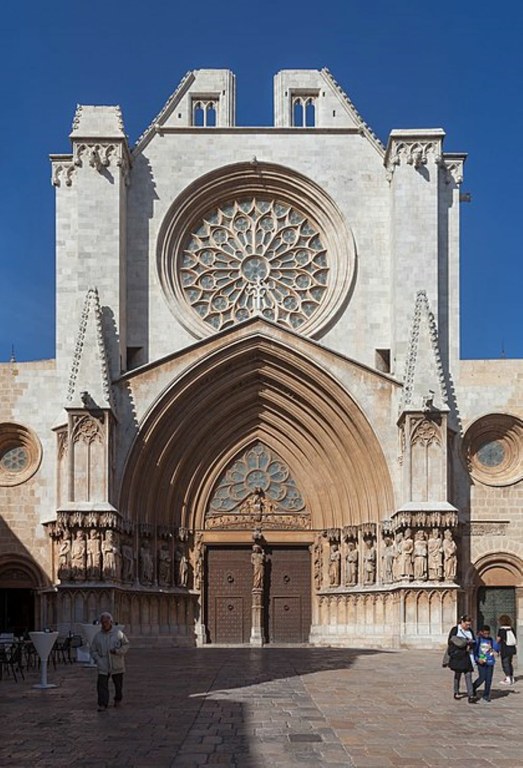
(251, 708)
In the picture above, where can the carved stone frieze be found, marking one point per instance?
(436, 519)
(416, 153)
(101, 155)
(276, 521)
(488, 528)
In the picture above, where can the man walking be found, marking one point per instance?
(108, 650)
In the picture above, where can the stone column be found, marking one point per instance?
(257, 618)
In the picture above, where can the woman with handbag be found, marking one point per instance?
(461, 642)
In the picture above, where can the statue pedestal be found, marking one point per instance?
(257, 638)
(43, 643)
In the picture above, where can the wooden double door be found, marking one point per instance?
(286, 597)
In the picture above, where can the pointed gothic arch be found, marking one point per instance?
(256, 389)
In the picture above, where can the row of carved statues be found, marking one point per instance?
(97, 554)
(403, 556)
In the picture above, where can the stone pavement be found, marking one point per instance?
(251, 708)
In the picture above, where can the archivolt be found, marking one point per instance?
(256, 389)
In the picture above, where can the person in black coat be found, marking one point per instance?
(461, 643)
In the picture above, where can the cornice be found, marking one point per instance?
(413, 147)
(98, 154)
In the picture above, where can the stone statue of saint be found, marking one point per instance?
(397, 555)
(351, 565)
(64, 557)
(450, 557)
(164, 565)
(78, 556)
(94, 555)
(435, 555)
(334, 566)
(146, 563)
(127, 562)
(369, 562)
(387, 560)
(182, 567)
(420, 556)
(258, 566)
(407, 549)
(111, 555)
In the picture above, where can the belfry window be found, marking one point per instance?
(304, 111)
(204, 113)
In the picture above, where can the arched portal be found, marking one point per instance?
(256, 389)
(253, 398)
(499, 588)
(19, 581)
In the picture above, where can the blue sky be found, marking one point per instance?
(404, 64)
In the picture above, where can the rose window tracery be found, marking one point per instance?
(254, 257)
(257, 472)
(14, 459)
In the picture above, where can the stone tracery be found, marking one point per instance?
(251, 257)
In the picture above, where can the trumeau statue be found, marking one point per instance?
(258, 566)
(351, 565)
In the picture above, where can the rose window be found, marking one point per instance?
(257, 470)
(14, 459)
(255, 257)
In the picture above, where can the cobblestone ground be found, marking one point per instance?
(252, 708)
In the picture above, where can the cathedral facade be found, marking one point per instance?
(257, 428)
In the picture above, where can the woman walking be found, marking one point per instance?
(461, 642)
(507, 648)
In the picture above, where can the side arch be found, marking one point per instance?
(256, 389)
(495, 569)
(19, 572)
